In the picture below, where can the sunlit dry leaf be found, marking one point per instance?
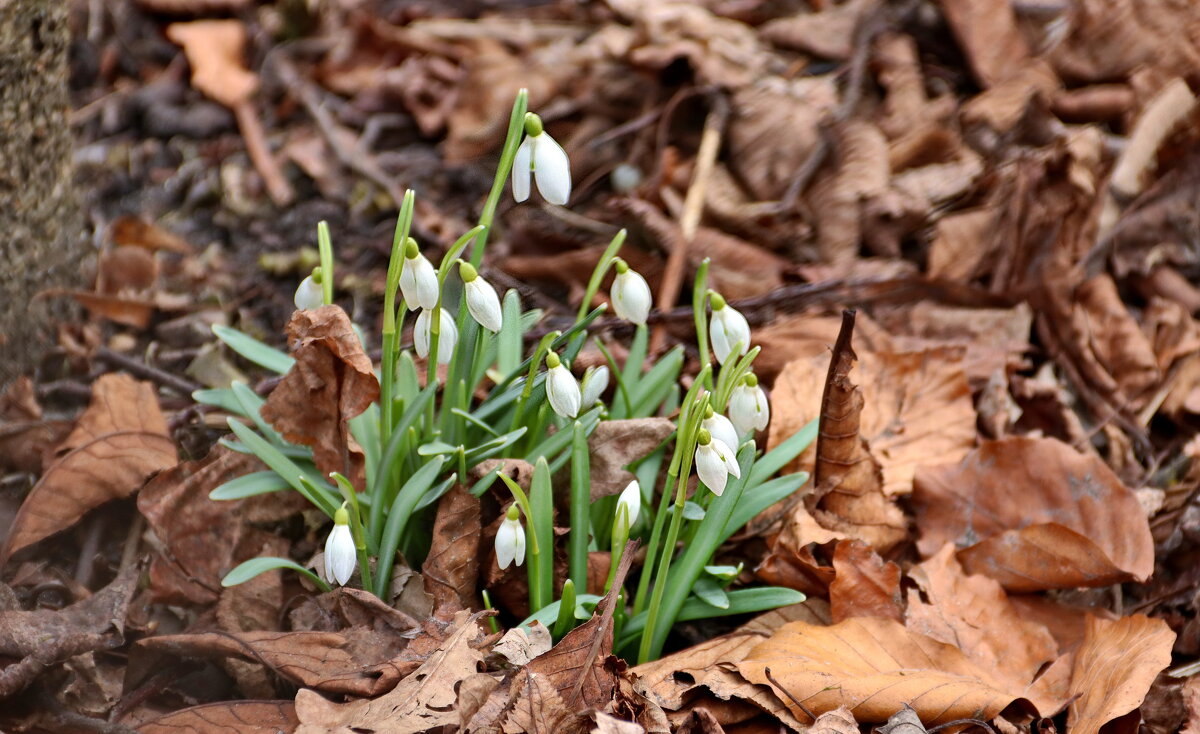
(828, 33)
(130, 230)
(331, 382)
(774, 128)
(232, 717)
(1034, 514)
(451, 570)
(1114, 669)
(989, 36)
(617, 443)
(537, 708)
(422, 701)
(119, 442)
(865, 584)
(127, 310)
(215, 49)
(524, 643)
(1001, 107)
(874, 667)
(838, 721)
(974, 614)
(354, 662)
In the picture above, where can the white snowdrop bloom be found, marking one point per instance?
(630, 294)
(561, 388)
(447, 335)
(310, 293)
(714, 462)
(721, 428)
(595, 381)
(748, 407)
(340, 554)
(482, 302)
(727, 329)
(631, 500)
(542, 156)
(418, 279)
(510, 539)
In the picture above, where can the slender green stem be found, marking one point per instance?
(699, 309)
(534, 363)
(620, 535)
(325, 250)
(356, 527)
(606, 261)
(387, 368)
(435, 318)
(660, 518)
(516, 129)
(580, 504)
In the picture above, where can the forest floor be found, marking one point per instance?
(1005, 193)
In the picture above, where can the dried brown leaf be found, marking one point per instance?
(537, 708)
(974, 614)
(1111, 39)
(865, 585)
(193, 7)
(451, 570)
(838, 721)
(422, 701)
(524, 643)
(1115, 337)
(617, 443)
(1114, 669)
(215, 50)
(331, 382)
(989, 36)
(873, 667)
(234, 717)
(1034, 514)
(606, 724)
(134, 231)
(120, 441)
(828, 33)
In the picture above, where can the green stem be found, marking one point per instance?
(606, 260)
(580, 504)
(325, 249)
(516, 129)
(699, 308)
(387, 369)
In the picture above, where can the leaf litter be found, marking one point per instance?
(1001, 522)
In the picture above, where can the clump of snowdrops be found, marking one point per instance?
(420, 441)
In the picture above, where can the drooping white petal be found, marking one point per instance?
(447, 337)
(309, 294)
(418, 282)
(631, 297)
(522, 167)
(551, 170)
(749, 409)
(510, 543)
(729, 457)
(711, 467)
(483, 304)
(563, 391)
(631, 500)
(340, 555)
(595, 381)
(721, 429)
(728, 329)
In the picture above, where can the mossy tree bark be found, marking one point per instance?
(41, 242)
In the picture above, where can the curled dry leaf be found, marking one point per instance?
(451, 569)
(214, 49)
(838, 721)
(422, 701)
(524, 643)
(874, 667)
(537, 708)
(1111, 39)
(617, 443)
(989, 36)
(1034, 514)
(974, 614)
(120, 441)
(331, 382)
(1114, 668)
(137, 232)
(227, 717)
(864, 585)
(1115, 338)
(828, 33)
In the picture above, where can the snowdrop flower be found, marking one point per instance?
(310, 293)
(630, 294)
(714, 462)
(561, 388)
(447, 335)
(540, 155)
(720, 428)
(418, 280)
(482, 301)
(595, 381)
(631, 500)
(727, 329)
(510, 539)
(340, 554)
(748, 407)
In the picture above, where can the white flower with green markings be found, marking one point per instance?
(721, 428)
(482, 302)
(310, 293)
(447, 335)
(631, 501)
(728, 330)
(510, 539)
(540, 155)
(630, 294)
(340, 553)
(714, 462)
(748, 406)
(418, 279)
(595, 382)
(561, 388)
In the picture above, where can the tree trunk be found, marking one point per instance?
(40, 237)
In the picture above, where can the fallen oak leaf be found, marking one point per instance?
(1071, 523)
(331, 381)
(234, 717)
(120, 441)
(873, 667)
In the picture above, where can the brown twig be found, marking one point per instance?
(278, 187)
(788, 693)
(141, 369)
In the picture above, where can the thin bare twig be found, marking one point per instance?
(141, 369)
